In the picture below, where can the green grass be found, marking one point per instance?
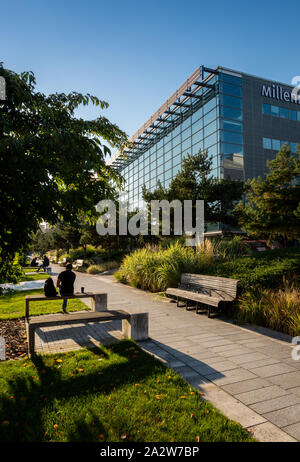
(34, 276)
(118, 393)
(13, 305)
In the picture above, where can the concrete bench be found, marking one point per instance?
(134, 325)
(99, 301)
(211, 291)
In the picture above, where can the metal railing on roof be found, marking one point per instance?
(189, 82)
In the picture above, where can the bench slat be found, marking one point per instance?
(35, 298)
(197, 297)
(49, 320)
(219, 286)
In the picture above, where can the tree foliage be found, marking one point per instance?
(272, 206)
(196, 182)
(52, 164)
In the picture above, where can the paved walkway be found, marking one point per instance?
(248, 375)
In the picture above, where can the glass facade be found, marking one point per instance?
(214, 122)
(241, 120)
(231, 158)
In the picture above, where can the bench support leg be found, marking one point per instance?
(26, 309)
(30, 338)
(136, 327)
(99, 302)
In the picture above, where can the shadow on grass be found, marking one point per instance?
(22, 408)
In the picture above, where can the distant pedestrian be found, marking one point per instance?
(45, 264)
(65, 283)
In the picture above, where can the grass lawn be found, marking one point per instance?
(35, 276)
(13, 305)
(29, 269)
(116, 393)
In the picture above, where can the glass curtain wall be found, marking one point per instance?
(215, 124)
(231, 127)
(199, 129)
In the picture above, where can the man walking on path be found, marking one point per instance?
(65, 283)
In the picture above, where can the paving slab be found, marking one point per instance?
(276, 403)
(207, 370)
(286, 381)
(284, 417)
(232, 376)
(273, 369)
(267, 432)
(262, 362)
(293, 430)
(261, 394)
(244, 358)
(233, 408)
(295, 391)
(245, 385)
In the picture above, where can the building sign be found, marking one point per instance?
(279, 93)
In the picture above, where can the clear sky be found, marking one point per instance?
(134, 54)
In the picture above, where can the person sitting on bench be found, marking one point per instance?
(44, 264)
(33, 262)
(65, 283)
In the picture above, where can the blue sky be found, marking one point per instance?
(134, 54)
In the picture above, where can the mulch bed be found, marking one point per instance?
(14, 333)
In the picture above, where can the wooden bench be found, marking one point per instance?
(134, 325)
(211, 291)
(77, 264)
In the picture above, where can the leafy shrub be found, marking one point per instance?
(264, 269)
(155, 269)
(232, 248)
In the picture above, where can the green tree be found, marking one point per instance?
(52, 164)
(272, 204)
(196, 182)
(41, 241)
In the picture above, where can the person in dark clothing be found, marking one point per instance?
(44, 264)
(33, 262)
(65, 283)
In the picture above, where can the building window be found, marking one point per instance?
(231, 113)
(232, 126)
(232, 90)
(279, 111)
(266, 109)
(231, 79)
(232, 101)
(275, 111)
(229, 149)
(230, 137)
(284, 113)
(267, 143)
(276, 145)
